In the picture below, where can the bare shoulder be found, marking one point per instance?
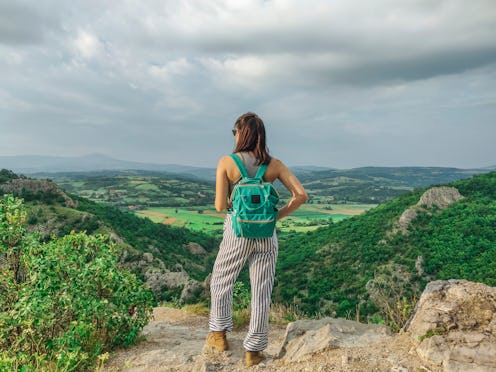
(225, 162)
(228, 167)
(275, 169)
(225, 159)
(277, 165)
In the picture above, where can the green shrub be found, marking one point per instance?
(63, 302)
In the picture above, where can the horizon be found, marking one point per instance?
(97, 155)
(340, 84)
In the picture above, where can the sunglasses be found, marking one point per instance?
(234, 132)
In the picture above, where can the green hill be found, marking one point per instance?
(152, 251)
(369, 267)
(366, 263)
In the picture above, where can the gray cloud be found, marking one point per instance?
(25, 22)
(345, 83)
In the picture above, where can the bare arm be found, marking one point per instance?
(299, 195)
(221, 185)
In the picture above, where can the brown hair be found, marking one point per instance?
(251, 131)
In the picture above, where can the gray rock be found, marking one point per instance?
(195, 248)
(440, 197)
(305, 338)
(148, 257)
(454, 325)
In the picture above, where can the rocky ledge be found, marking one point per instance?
(452, 329)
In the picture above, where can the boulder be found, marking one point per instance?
(195, 248)
(304, 338)
(440, 197)
(454, 325)
(157, 279)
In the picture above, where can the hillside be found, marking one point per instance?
(359, 268)
(377, 184)
(172, 261)
(143, 190)
(369, 263)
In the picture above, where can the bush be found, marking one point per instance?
(63, 302)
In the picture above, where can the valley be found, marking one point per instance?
(186, 200)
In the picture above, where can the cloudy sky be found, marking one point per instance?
(341, 83)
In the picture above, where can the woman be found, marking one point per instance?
(261, 253)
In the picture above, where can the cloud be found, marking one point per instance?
(329, 77)
(168, 70)
(88, 45)
(25, 22)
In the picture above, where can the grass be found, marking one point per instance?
(279, 314)
(205, 219)
(194, 218)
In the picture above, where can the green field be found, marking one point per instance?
(308, 217)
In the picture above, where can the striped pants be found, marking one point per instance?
(233, 252)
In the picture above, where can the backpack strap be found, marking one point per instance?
(241, 166)
(261, 171)
(242, 169)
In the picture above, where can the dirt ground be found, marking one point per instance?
(174, 341)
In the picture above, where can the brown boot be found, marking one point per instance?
(253, 358)
(218, 340)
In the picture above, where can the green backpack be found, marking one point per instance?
(253, 204)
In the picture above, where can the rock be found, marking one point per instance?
(148, 257)
(194, 248)
(157, 278)
(454, 325)
(440, 197)
(399, 369)
(17, 186)
(305, 338)
(406, 218)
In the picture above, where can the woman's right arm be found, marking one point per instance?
(291, 182)
(221, 185)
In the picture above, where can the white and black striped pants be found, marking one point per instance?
(261, 254)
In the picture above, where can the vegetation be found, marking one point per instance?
(7, 175)
(361, 268)
(65, 301)
(375, 185)
(329, 268)
(140, 192)
(168, 242)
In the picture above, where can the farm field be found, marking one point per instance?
(308, 217)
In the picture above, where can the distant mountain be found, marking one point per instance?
(491, 167)
(31, 164)
(53, 166)
(395, 176)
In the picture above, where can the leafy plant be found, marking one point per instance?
(241, 296)
(65, 301)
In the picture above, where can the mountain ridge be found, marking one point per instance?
(30, 164)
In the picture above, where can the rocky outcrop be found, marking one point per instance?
(439, 197)
(194, 248)
(17, 186)
(452, 329)
(304, 338)
(454, 325)
(158, 278)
